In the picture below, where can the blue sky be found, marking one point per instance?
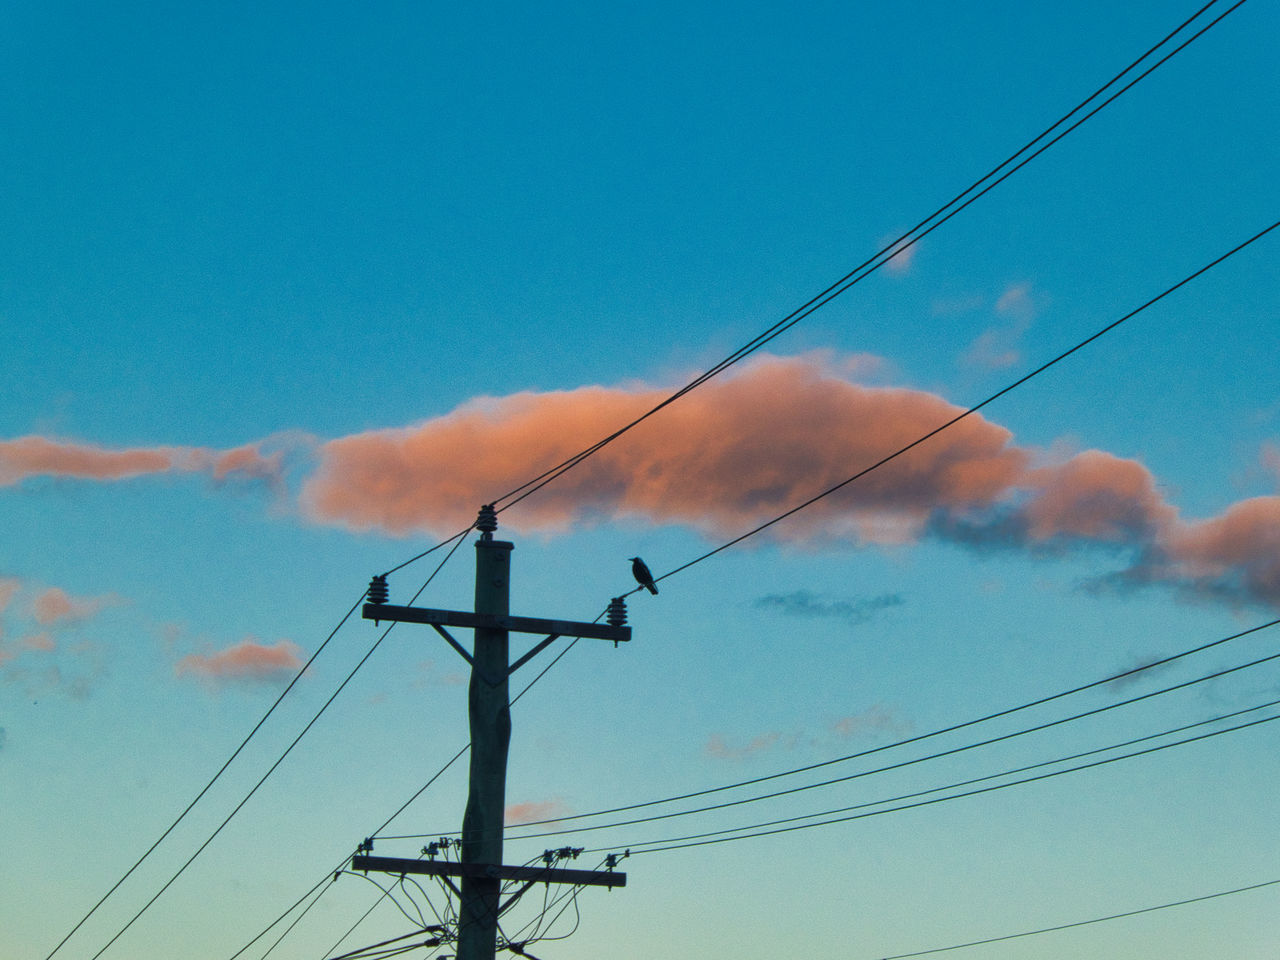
(287, 295)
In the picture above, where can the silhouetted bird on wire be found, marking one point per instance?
(642, 575)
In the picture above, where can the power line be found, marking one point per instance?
(388, 821)
(1083, 923)
(952, 728)
(697, 840)
(1004, 773)
(964, 748)
(903, 242)
(971, 410)
(212, 781)
(886, 253)
(289, 749)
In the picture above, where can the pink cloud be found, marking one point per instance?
(876, 719)
(994, 349)
(249, 463)
(1235, 554)
(740, 450)
(718, 747)
(1269, 456)
(42, 641)
(247, 660)
(34, 456)
(900, 263)
(757, 442)
(1018, 302)
(38, 456)
(54, 606)
(9, 586)
(1097, 496)
(535, 810)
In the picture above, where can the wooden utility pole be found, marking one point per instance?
(489, 712)
(480, 869)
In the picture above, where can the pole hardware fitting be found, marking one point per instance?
(366, 845)
(617, 614)
(487, 521)
(377, 593)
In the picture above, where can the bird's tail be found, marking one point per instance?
(651, 588)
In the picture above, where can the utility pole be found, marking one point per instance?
(489, 712)
(480, 869)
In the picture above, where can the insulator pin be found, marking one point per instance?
(487, 522)
(617, 615)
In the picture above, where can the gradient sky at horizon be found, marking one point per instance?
(287, 295)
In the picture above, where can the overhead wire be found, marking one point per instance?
(953, 751)
(892, 249)
(839, 287)
(1015, 770)
(870, 751)
(212, 780)
(1083, 923)
(297, 903)
(263, 779)
(971, 410)
(376, 834)
(717, 836)
(959, 417)
(301, 916)
(533, 486)
(515, 496)
(868, 266)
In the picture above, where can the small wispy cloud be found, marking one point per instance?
(720, 748)
(875, 719)
(805, 603)
(9, 587)
(1269, 457)
(30, 457)
(900, 263)
(54, 606)
(536, 811)
(999, 347)
(248, 661)
(1019, 302)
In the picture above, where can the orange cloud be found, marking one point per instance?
(720, 748)
(33, 456)
(1017, 301)
(42, 641)
(535, 811)
(753, 444)
(737, 452)
(900, 263)
(56, 606)
(1097, 496)
(1270, 458)
(876, 719)
(248, 462)
(247, 660)
(8, 587)
(1234, 555)
(37, 456)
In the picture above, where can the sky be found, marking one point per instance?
(288, 294)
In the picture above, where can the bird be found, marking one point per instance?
(642, 575)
